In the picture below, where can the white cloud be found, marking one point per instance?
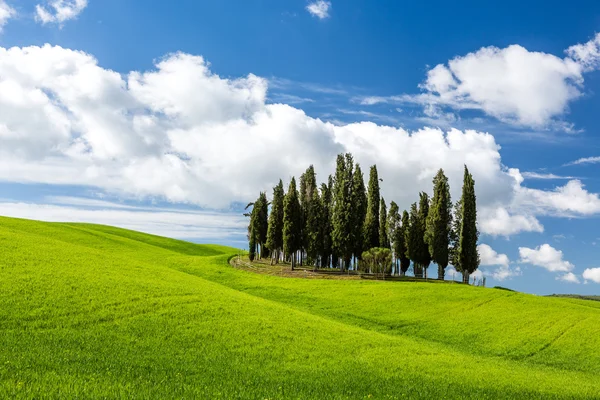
(592, 274)
(587, 54)
(490, 257)
(319, 8)
(568, 277)
(183, 134)
(165, 222)
(6, 13)
(499, 222)
(537, 175)
(59, 11)
(586, 160)
(512, 84)
(547, 257)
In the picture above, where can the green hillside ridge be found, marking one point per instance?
(90, 311)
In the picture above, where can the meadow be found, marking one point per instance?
(90, 311)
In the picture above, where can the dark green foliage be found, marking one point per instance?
(359, 211)
(275, 230)
(258, 226)
(342, 209)
(311, 210)
(251, 246)
(400, 245)
(393, 225)
(455, 234)
(378, 260)
(326, 226)
(439, 223)
(371, 227)
(418, 251)
(468, 256)
(292, 220)
(383, 228)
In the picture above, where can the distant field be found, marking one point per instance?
(90, 311)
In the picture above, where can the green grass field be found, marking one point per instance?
(91, 311)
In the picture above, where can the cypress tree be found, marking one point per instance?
(383, 228)
(468, 256)
(455, 234)
(371, 227)
(312, 218)
(412, 242)
(400, 245)
(262, 220)
(393, 225)
(359, 211)
(342, 209)
(303, 212)
(326, 200)
(275, 230)
(292, 234)
(424, 255)
(439, 220)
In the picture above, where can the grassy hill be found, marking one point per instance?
(91, 311)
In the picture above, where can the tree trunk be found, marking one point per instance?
(465, 277)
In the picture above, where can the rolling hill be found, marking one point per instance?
(90, 311)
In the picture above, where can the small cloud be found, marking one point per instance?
(6, 13)
(59, 11)
(536, 175)
(585, 160)
(547, 257)
(592, 274)
(569, 277)
(319, 9)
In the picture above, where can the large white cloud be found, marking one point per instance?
(545, 256)
(184, 134)
(512, 84)
(59, 11)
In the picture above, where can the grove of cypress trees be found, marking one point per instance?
(359, 211)
(292, 220)
(400, 245)
(439, 220)
(275, 230)
(468, 256)
(371, 227)
(383, 228)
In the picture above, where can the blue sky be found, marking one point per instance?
(165, 116)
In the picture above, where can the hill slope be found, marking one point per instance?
(93, 312)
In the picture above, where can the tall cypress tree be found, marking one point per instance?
(262, 220)
(312, 217)
(455, 235)
(292, 234)
(468, 256)
(303, 205)
(359, 211)
(412, 242)
(383, 228)
(400, 246)
(424, 255)
(275, 230)
(393, 225)
(342, 209)
(439, 221)
(371, 227)
(326, 226)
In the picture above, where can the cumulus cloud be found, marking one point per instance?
(6, 13)
(568, 277)
(586, 54)
(181, 133)
(545, 256)
(592, 274)
(319, 9)
(59, 11)
(512, 84)
(489, 257)
(499, 222)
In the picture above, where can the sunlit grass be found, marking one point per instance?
(97, 312)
